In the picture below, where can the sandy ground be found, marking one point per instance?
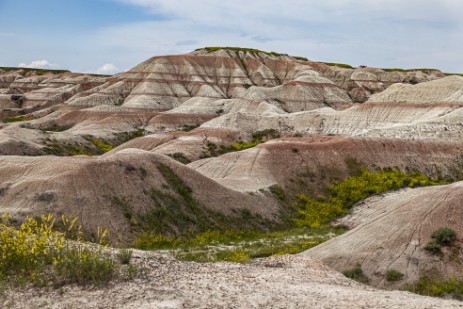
(280, 282)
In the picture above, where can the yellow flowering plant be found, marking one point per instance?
(36, 252)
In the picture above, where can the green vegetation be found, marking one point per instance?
(17, 119)
(53, 147)
(393, 275)
(426, 70)
(258, 137)
(345, 193)
(433, 285)
(124, 256)
(188, 128)
(356, 273)
(102, 146)
(249, 50)
(180, 157)
(433, 247)
(134, 134)
(94, 147)
(37, 71)
(239, 245)
(55, 128)
(443, 236)
(35, 252)
(174, 211)
(341, 65)
(450, 74)
(278, 192)
(210, 236)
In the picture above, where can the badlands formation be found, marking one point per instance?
(316, 117)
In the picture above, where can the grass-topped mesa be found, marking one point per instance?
(342, 195)
(253, 51)
(36, 252)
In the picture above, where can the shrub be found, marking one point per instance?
(356, 273)
(130, 271)
(433, 247)
(83, 264)
(124, 256)
(444, 236)
(393, 275)
(278, 192)
(437, 286)
(35, 252)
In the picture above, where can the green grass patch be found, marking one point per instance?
(437, 286)
(238, 245)
(17, 119)
(356, 273)
(258, 137)
(180, 157)
(53, 147)
(393, 275)
(101, 145)
(342, 194)
(175, 213)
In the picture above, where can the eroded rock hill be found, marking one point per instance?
(205, 110)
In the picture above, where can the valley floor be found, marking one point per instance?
(286, 281)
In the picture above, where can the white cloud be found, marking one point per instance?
(107, 68)
(39, 64)
(384, 33)
(381, 33)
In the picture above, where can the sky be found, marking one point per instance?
(110, 36)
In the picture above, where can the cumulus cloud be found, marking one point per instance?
(39, 64)
(107, 68)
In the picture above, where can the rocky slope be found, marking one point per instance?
(391, 232)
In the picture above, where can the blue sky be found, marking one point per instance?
(109, 36)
